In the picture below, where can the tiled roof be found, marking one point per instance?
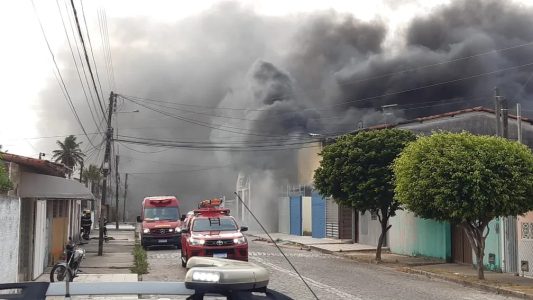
(36, 165)
(445, 115)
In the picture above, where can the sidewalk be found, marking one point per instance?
(113, 265)
(500, 283)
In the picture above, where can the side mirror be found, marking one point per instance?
(244, 228)
(182, 218)
(185, 230)
(139, 220)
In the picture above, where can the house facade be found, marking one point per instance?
(509, 244)
(44, 209)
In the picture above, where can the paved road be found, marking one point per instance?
(329, 276)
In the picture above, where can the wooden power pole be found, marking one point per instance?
(109, 137)
(116, 191)
(125, 198)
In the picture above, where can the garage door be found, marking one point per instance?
(319, 215)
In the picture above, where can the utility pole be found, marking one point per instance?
(519, 121)
(81, 171)
(109, 137)
(497, 111)
(505, 118)
(125, 198)
(116, 191)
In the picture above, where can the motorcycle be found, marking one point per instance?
(68, 269)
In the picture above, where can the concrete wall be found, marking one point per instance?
(525, 241)
(9, 248)
(284, 216)
(415, 236)
(307, 216)
(369, 230)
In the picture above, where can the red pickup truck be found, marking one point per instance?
(211, 231)
(160, 222)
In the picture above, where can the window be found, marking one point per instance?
(214, 224)
(527, 230)
(161, 213)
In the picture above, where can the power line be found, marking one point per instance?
(86, 56)
(91, 48)
(76, 65)
(59, 77)
(110, 57)
(325, 107)
(216, 148)
(203, 124)
(436, 64)
(183, 171)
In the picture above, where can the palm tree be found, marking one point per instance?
(69, 153)
(92, 175)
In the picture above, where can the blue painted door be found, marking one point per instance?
(296, 215)
(318, 212)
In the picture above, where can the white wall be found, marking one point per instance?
(283, 215)
(369, 230)
(307, 217)
(9, 234)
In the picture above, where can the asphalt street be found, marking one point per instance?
(330, 277)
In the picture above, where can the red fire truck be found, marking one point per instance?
(211, 231)
(160, 222)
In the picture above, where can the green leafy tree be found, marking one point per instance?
(5, 183)
(69, 153)
(92, 175)
(467, 180)
(356, 170)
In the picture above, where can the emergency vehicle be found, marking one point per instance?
(211, 231)
(160, 222)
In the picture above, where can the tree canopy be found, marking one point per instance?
(5, 183)
(465, 179)
(69, 153)
(356, 170)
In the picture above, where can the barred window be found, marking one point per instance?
(527, 230)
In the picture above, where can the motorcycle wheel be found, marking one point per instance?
(60, 273)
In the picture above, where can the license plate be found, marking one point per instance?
(162, 241)
(221, 255)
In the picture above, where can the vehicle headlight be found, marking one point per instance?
(178, 229)
(171, 230)
(146, 230)
(206, 276)
(240, 240)
(195, 242)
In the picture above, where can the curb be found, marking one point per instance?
(409, 270)
(485, 287)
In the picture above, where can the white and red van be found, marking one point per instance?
(160, 222)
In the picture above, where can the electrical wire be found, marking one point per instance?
(203, 124)
(86, 56)
(59, 77)
(76, 65)
(91, 49)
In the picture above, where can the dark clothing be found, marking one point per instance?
(86, 221)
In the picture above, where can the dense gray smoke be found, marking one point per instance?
(275, 80)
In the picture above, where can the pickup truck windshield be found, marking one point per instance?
(161, 213)
(214, 224)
